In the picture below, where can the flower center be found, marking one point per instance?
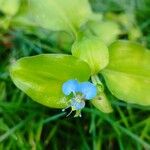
(76, 103)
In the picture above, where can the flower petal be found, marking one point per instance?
(70, 86)
(88, 90)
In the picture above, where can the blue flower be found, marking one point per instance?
(87, 89)
(69, 87)
(81, 92)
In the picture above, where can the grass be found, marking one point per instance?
(25, 124)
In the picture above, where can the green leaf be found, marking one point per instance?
(108, 31)
(128, 73)
(92, 50)
(41, 77)
(9, 7)
(55, 14)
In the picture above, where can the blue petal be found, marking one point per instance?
(88, 90)
(77, 105)
(70, 86)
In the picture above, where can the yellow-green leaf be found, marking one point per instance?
(107, 31)
(128, 73)
(9, 7)
(55, 14)
(41, 77)
(92, 50)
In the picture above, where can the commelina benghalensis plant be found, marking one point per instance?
(70, 81)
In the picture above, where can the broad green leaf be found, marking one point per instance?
(108, 31)
(92, 50)
(9, 7)
(128, 73)
(41, 77)
(55, 14)
(62, 40)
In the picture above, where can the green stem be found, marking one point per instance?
(95, 79)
